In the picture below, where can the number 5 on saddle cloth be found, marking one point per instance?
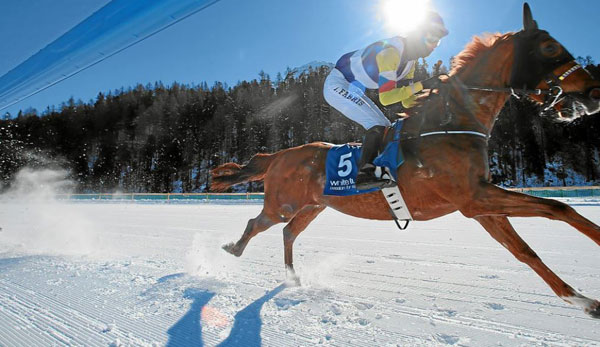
(342, 168)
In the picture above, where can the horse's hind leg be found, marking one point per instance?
(502, 231)
(291, 232)
(256, 225)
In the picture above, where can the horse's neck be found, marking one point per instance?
(491, 69)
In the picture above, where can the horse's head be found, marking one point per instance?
(541, 62)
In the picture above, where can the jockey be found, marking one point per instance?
(388, 66)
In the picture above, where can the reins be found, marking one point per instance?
(454, 132)
(552, 81)
(554, 91)
(554, 95)
(513, 91)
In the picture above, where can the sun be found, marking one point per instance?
(402, 16)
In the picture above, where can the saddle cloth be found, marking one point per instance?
(341, 169)
(342, 164)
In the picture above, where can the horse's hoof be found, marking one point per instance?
(293, 282)
(595, 312)
(230, 248)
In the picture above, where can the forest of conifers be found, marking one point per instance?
(158, 138)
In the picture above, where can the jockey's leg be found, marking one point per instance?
(256, 225)
(492, 200)
(502, 231)
(351, 101)
(291, 232)
(371, 146)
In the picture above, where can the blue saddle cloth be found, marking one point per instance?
(342, 165)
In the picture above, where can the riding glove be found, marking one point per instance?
(431, 82)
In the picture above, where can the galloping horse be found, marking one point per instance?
(448, 169)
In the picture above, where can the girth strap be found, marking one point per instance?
(458, 132)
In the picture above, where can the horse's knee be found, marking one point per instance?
(558, 207)
(281, 214)
(287, 212)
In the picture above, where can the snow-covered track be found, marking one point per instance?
(154, 274)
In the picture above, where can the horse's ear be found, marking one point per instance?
(528, 22)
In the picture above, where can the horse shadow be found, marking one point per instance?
(188, 330)
(247, 325)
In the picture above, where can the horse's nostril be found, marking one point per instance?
(595, 94)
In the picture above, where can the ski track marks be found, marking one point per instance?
(157, 276)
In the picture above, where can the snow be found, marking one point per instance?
(144, 274)
(306, 68)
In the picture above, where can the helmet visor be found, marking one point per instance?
(431, 40)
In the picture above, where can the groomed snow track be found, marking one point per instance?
(99, 274)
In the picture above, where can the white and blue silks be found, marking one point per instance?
(350, 99)
(377, 66)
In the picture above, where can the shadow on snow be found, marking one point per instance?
(188, 330)
(246, 327)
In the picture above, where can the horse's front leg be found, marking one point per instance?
(255, 226)
(291, 231)
(492, 200)
(502, 231)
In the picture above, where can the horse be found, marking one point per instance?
(447, 168)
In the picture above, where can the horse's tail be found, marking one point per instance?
(226, 175)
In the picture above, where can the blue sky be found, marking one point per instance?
(234, 39)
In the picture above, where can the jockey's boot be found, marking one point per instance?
(366, 178)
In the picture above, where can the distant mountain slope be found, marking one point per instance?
(313, 65)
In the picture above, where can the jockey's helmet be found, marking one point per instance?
(433, 25)
(432, 30)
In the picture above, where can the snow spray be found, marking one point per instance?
(39, 223)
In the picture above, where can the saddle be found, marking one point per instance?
(342, 167)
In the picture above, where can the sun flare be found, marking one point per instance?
(401, 16)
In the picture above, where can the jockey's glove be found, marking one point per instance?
(431, 82)
(409, 102)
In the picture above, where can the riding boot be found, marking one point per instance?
(366, 178)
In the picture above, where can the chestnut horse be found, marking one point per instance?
(446, 167)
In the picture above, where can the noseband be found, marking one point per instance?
(529, 68)
(554, 94)
(526, 75)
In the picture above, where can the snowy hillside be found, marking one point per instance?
(306, 68)
(99, 274)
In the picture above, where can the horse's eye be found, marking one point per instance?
(551, 49)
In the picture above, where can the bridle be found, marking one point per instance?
(554, 94)
(534, 61)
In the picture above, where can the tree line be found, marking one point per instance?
(158, 138)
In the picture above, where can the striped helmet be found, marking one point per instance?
(434, 24)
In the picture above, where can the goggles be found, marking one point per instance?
(431, 40)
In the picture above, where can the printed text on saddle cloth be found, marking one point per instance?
(342, 165)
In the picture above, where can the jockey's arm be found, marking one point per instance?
(388, 61)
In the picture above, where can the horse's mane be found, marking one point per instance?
(474, 49)
(478, 46)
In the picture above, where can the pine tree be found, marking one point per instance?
(146, 138)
